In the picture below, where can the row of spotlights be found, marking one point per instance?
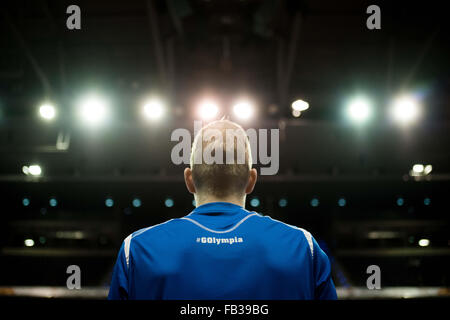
(417, 170)
(109, 202)
(94, 109)
(30, 242)
(404, 109)
(342, 202)
(254, 202)
(209, 109)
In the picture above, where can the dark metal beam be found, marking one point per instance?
(157, 44)
(29, 55)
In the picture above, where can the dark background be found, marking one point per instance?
(273, 51)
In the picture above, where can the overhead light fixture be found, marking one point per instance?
(208, 109)
(428, 168)
(93, 110)
(420, 170)
(47, 111)
(405, 109)
(29, 242)
(359, 109)
(33, 170)
(300, 105)
(153, 109)
(243, 109)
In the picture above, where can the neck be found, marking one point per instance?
(200, 200)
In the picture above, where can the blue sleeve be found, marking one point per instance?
(324, 286)
(118, 289)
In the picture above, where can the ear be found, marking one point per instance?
(188, 180)
(251, 181)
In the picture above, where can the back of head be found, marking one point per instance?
(221, 160)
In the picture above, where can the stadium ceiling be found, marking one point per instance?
(276, 50)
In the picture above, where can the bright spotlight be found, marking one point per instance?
(33, 170)
(208, 109)
(300, 105)
(29, 242)
(424, 242)
(405, 109)
(93, 110)
(243, 110)
(359, 109)
(154, 109)
(418, 168)
(47, 111)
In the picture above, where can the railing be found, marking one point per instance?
(343, 293)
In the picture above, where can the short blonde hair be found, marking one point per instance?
(223, 178)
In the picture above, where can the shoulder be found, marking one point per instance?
(285, 227)
(154, 229)
(145, 233)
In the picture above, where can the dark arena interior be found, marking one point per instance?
(363, 118)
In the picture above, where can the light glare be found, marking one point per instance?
(405, 110)
(243, 110)
(33, 170)
(29, 242)
(208, 109)
(418, 168)
(47, 111)
(154, 109)
(300, 105)
(424, 242)
(359, 109)
(93, 110)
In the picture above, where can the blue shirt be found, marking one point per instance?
(221, 251)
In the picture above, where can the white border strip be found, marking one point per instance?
(215, 231)
(126, 248)
(309, 238)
